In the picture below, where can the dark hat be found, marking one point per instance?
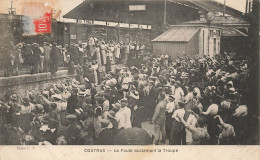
(39, 108)
(35, 125)
(111, 114)
(100, 99)
(53, 123)
(172, 97)
(75, 90)
(104, 123)
(172, 79)
(25, 101)
(56, 91)
(53, 105)
(32, 97)
(45, 119)
(181, 104)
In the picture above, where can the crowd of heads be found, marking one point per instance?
(201, 100)
(47, 57)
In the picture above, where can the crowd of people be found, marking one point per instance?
(194, 100)
(47, 57)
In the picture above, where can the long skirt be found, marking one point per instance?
(104, 56)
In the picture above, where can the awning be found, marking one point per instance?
(232, 32)
(177, 35)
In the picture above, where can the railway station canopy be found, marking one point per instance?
(147, 12)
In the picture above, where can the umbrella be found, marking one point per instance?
(133, 136)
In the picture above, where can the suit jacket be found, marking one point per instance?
(152, 97)
(159, 113)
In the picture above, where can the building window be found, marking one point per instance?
(211, 33)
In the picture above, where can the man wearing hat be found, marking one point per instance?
(179, 93)
(36, 57)
(178, 132)
(106, 136)
(151, 99)
(112, 118)
(47, 50)
(172, 84)
(51, 133)
(159, 119)
(26, 108)
(124, 115)
(72, 101)
(170, 107)
(13, 98)
(73, 130)
(103, 52)
(54, 58)
(54, 113)
(116, 107)
(133, 97)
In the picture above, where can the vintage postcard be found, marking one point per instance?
(129, 79)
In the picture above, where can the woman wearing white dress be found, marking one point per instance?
(103, 48)
(97, 52)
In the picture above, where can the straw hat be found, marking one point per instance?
(71, 116)
(14, 97)
(58, 97)
(116, 105)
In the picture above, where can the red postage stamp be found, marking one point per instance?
(43, 24)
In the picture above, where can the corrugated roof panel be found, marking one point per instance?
(232, 20)
(232, 32)
(177, 35)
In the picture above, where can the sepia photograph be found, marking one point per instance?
(129, 72)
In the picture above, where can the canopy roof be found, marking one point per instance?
(178, 34)
(221, 20)
(232, 32)
(118, 11)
